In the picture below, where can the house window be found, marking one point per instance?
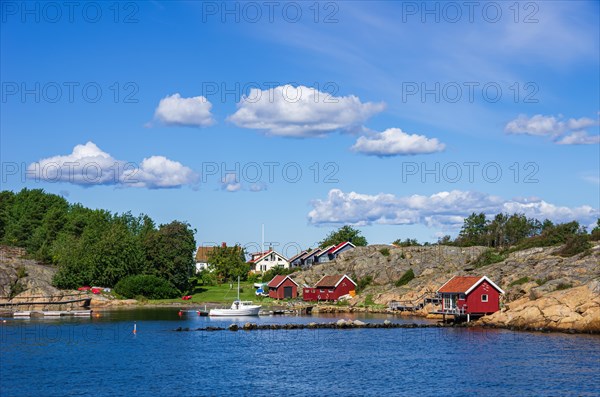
(484, 298)
(321, 290)
(461, 297)
(330, 291)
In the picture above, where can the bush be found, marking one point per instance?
(361, 283)
(369, 300)
(384, 251)
(574, 245)
(149, 286)
(520, 281)
(406, 277)
(21, 272)
(562, 286)
(488, 257)
(542, 281)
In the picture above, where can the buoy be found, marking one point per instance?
(134, 328)
(180, 313)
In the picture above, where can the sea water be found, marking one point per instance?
(101, 356)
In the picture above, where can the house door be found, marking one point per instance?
(449, 302)
(287, 292)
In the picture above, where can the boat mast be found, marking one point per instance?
(238, 288)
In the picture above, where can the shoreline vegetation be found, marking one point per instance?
(49, 248)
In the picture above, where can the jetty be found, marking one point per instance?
(340, 324)
(417, 303)
(46, 306)
(50, 313)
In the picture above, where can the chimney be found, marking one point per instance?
(270, 247)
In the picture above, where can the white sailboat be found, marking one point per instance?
(238, 308)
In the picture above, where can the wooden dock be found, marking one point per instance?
(417, 303)
(51, 313)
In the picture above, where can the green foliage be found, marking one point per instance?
(362, 283)
(228, 263)
(345, 233)
(488, 257)
(170, 253)
(145, 285)
(575, 244)
(254, 278)
(406, 277)
(445, 240)
(542, 281)
(385, 251)
(408, 242)
(473, 230)
(563, 286)
(32, 219)
(595, 235)
(369, 300)
(520, 281)
(203, 278)
(94, 247)
(21, 272)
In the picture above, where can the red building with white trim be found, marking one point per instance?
(472, 295)
(329, 288)
(283, 287)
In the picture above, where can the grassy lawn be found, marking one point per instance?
(218, 294)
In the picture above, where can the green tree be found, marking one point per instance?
(345, 233)
(408, 242)
(228, 263)
(6, 201)
(170, 253)
(473, 231)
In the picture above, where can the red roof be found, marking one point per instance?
(278, 280)
(340, 246)
(464, 284)
(331, 281)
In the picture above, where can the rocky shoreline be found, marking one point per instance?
(544, 292)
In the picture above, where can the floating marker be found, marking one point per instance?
(134, 328)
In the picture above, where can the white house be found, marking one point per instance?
(202, 258)
(265, 261)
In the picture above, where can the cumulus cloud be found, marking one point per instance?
(231, 183)
(190, 112)
(88, 165)
(562, 132)
(444, 209)
(394, 141)
(301, 112)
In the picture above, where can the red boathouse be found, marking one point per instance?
(283, 287)
(329, 288)
(470, 295)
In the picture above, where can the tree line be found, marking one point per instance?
(94, 246)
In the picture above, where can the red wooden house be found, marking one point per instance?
(283, 287)
(470, 295)
(329, 288)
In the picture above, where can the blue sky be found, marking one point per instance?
(398, 117)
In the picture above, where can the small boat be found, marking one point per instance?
(238, 308)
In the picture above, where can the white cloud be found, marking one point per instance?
(88, 165)
(579, 138)
(394, 141)
(231, 183)
(562, 132)
(444, 209)
(301, 112)
(192, 112)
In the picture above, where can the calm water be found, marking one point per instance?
(101, 357)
